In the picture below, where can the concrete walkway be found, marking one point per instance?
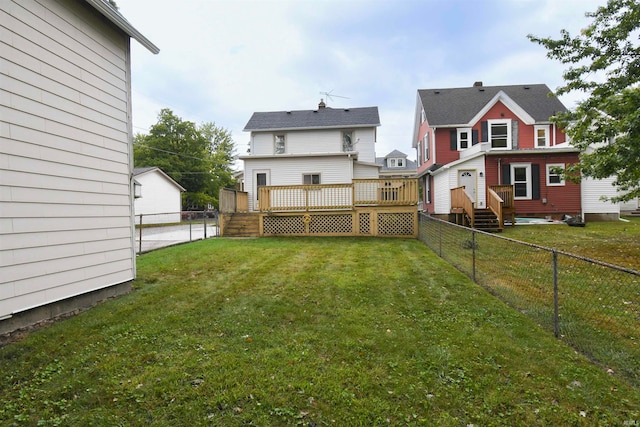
(160, 237)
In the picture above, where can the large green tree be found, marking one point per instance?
(604, 63)
(200, 158)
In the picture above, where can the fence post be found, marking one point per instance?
(204, 220)
(440, 238)
(140, 244)
(473, 256)
(556, 316)
(190, 224)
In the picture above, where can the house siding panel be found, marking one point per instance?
(66, 215)
(333, 170)
(554, 200)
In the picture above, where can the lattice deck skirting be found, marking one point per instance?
(371, 221)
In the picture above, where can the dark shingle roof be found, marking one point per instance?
(314, 119)
(456, 106)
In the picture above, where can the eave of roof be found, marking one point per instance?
(119, 21)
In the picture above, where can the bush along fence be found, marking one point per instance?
(154, 231)
(591, 305)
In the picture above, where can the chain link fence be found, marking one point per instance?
(154, 231)
(591, 305)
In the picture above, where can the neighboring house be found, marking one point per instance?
(66, 199)
(484, 136)
(320, 146)
(160, 200)
(396, 165)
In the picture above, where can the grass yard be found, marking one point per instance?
(613, 242)
(304, 331)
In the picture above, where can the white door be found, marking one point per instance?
(467, 178)
(260, 179)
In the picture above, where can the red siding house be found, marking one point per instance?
(481, 137)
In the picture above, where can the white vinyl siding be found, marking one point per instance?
(65, 204)
(315, 142)
(161, 199)
(289, 171)
(592, 194)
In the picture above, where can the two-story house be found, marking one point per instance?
(396, 165)
(481, 137)
(320, 146)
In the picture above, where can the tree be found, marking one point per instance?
(199, 158)
(604, 64)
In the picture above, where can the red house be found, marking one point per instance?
(483, 146)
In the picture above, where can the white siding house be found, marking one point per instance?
(66, 202)
(321, 146)
(160, 201)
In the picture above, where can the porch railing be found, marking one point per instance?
(508, 207)
(494, 203)
(362, 192)
(231, 201)
(461, 200)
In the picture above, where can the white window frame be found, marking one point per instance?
(423, 116)
(311, 175)
(427, 143)
(507, 123)
(276, 143)
(551, 173)
(528, 180)
(536, 137)
(468, 140)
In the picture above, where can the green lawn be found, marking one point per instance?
(613, 242)
(304, 331)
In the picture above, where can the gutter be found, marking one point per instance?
(119, 21)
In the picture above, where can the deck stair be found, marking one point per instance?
(486, 220)
(242, 225)
(635, 212)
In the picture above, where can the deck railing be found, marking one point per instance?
(362, 192)
(230, 201)
(495, 203)
(508, 207)
(460, 199)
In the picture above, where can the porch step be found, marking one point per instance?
(486, 220)
(242, 225)
(635, 213)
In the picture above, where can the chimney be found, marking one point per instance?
(321, 104)
(477, 84)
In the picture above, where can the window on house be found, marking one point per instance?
(395, 163)
(347, 141)
(464, 138)
(521, 180)
(425, 143)
(311, 179)
(500, 133)
(279, 144)
(542, 136)
(555, 174)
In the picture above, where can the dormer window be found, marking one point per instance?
(347, 141)
(279, 144)
(395, 162)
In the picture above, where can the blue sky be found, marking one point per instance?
(222, 60)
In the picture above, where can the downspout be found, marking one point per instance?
(554, 133)
(499, 171)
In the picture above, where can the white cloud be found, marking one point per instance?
(222, 60)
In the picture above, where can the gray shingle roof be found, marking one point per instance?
(314, 119)
(459, 105)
